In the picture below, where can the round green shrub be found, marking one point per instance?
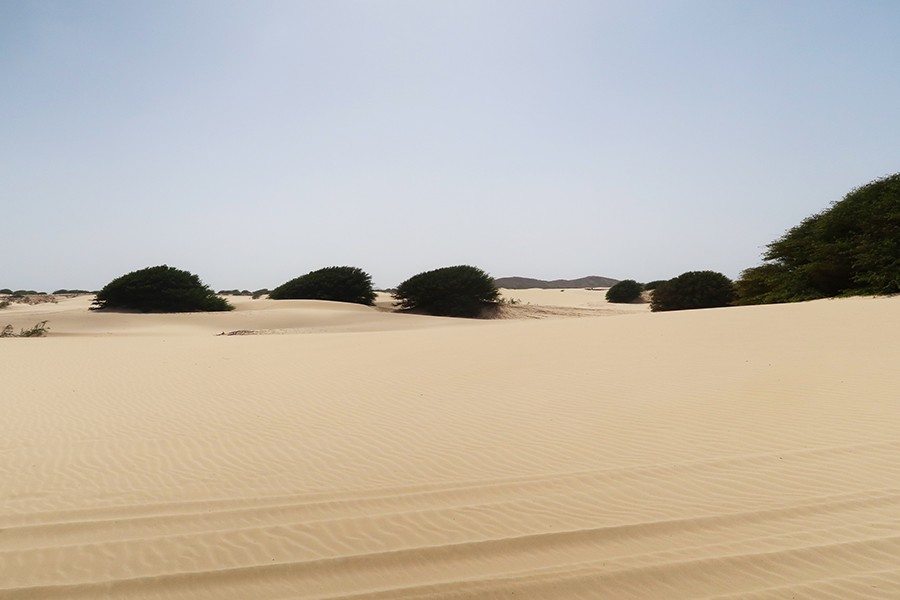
(160, 289)
(694, 289)
(339, 284)
(652, 285)
(459, 291)
(625, 291)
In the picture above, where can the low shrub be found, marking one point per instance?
(694, 289)
(625, 291)
(653, 284)
(339, 284)
(459, 291)
(38, 330)
(160, 289)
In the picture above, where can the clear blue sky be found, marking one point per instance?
(251, 142)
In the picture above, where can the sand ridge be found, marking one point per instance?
(731, 453)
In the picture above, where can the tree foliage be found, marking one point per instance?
(853, 247)
(340, 284)
(694, 289)
(652, 285)
(627, 290)
(160, 289)
(458, 291)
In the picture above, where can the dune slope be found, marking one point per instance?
(745, 453)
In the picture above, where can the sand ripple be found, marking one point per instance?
(739, 454)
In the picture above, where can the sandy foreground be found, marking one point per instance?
(353, 453)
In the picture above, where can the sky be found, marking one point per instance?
(253, 142)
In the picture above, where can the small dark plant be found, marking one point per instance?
(694, 289)
(459, 291)
(160, 289)
(339, 284)
(624, 292)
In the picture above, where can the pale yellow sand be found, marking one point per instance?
(734, 453)
(574, 298)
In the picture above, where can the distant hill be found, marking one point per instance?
(523, 283)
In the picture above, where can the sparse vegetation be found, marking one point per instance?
(339, 284)
(27, 299)
(459, 291)
(851, 248)
(160, 289)
(256, 295)
(627, 290)
(694, 289)
(38, 330)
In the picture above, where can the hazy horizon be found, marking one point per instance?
(250, 143)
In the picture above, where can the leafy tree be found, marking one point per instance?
(160, 289)
(340, 284)
(627, 290)
(694, 289)
(853, 247)
(459, 291)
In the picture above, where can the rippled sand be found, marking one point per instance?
(353, 453)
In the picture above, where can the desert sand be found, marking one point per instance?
(347, 452)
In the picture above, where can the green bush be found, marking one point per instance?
(624, 292)
(160, 289)
(256, 295)
(6, 291)
(853, 247)
(694, 289)
(460, 291)
(653, 284)
(340, 284)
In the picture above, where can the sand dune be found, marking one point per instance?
(748, 453)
